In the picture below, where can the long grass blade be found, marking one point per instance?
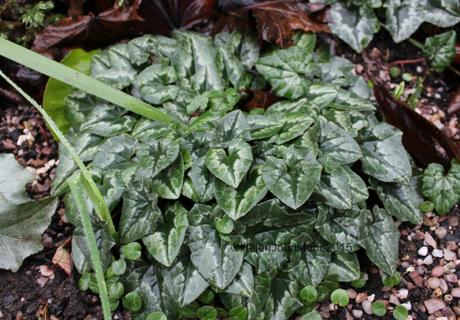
(81, 81)
(75, 186)
(95, 195)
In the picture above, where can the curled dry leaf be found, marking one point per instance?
(260, 99)
(117, 23)
(63, 259)
(454, 104)
(422, 139)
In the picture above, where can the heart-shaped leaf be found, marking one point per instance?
(293, 179)
(230, 167)
(237, 202)
(155, 156)
(168, 183)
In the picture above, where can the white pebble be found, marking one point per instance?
(423, 251)
(357, 314)
(437, 253)
(428, 260)
(367, 306)
(407, 305)
(402, 294)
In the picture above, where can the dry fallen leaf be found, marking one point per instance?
(63, 259)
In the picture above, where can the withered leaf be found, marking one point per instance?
(422, 139)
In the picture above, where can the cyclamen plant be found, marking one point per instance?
(243, 208)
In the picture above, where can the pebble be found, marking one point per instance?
(367, 306)
(456, 310)
(433, 305)
(428, 260)
(449, 255)
(429, 240)
(394, 300)
(371, 297)
(433, 283)
(443, 286)
(360, 297)
(357, 314)
(437, 271)
(441, 232)
(453, 221)
(423, 251)
(402, 294)
(351, 293)
(416, 278)
(407, 305)
(451, 277)
(437, 253)
(455, 292)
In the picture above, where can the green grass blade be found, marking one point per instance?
(75, 186)
(81, 81)
(95, 195)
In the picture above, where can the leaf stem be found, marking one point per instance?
(75, 186)
(83, 82)
(93, 191)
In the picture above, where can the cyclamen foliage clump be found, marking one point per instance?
(356, 21)
(243, 209)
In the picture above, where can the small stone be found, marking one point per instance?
(449, 255)
(423, 251)
(455, 292)
(429, 240)
(443, 286)
(448, 298)
(451, 277)
(456, 310)
(428, 260)
(437, 253)
(358, 314)
(433, 305)
(407, 305)
(433, 283)
(360, 297)
(441, 232)
(437, 271)
(437, 293)
(453, 221)
(367, 306)
(371, 297)
(416, 278)
(351, 293)
(394, 300)
(402, 294)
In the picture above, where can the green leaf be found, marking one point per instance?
(243, 284)
(165, 243)
(312, 315)
(341, 228)
(309, 294)
(237, 202)
(442, 190)
(21, 228)
(345, 266)
(292, 179)
(385, 158)
(232, 126)
(289, 70)
(13, 180)
(230, 167)
(355, 25)
(202, 180)
(207, 313)
(115, 153)
(56, 91)
(310, 267)
(132, 301)
(182, 283)
(139, 215)
(342, 188)
(440, 50)
(378, 308)
(158, 315)
(380, 239)
(168, 183)
(400, 313)
(336, 145)
(131, 251)
(264, 126)
(155, 156)
(401, 201)
(224, 225)
(274, 298)
(403, 18)
(340, 297)
(215, 259)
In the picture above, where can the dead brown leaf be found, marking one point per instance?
(63, 259)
